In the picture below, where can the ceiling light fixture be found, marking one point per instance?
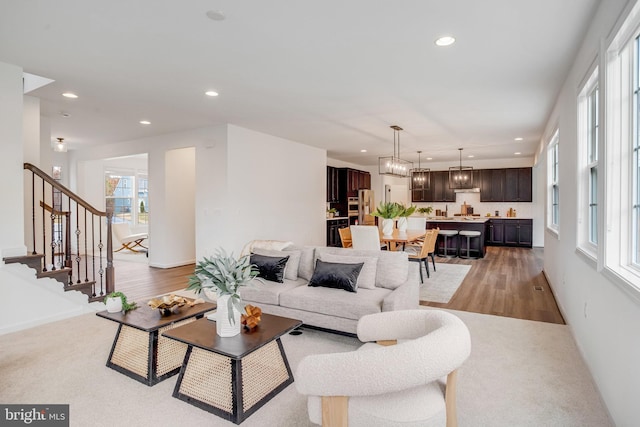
(517, 153)
(70, 95)
(211, 93)
(420, 177)
(59, 146)
(460, 177)
(445, 41)
(216, 15)
(394, 165)
(145, 122)
(363, 151)
(518, 139)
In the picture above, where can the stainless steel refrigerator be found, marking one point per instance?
(366, 205)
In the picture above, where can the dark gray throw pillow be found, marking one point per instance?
(270, 267)
(336, 275)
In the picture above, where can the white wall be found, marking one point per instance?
(602, 317)
(272, 188)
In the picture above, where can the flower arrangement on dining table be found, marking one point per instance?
(389, 211)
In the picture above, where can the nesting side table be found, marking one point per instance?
(140, 351)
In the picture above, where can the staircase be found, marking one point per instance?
(80, 263)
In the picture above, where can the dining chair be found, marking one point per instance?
(365, 237)
(421, 253)
(416, 223)
(345, 237)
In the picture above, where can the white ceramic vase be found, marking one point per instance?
(387, 227)
(224, 327)
(114, 304)
(402, 224)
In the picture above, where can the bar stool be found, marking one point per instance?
(445, 249)
(469, 235)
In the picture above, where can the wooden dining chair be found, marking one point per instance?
(345, 237)
(421, 253)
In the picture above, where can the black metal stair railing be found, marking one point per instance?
(56, 214)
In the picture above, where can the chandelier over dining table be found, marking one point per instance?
(394, 165)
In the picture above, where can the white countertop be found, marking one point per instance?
(337, 217)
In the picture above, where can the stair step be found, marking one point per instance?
(61, 274)
(33, 261)
(84, 287)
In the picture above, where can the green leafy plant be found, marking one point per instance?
(225, 274)
(426, 210)
(389, 210)
(406, 211)
(332, 210)
(126, 306)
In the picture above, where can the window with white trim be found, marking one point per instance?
(126, 194)
(588, 134)
(622, 151)
(553, 178)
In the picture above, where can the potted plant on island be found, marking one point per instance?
(405, 212)
(225, 275)
(388, 212)
(117, 301)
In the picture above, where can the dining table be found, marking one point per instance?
(401, 238)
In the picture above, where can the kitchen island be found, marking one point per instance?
(459, 224)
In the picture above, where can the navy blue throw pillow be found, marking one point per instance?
(270, 267)
(336, 275)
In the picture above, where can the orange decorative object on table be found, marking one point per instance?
(252, 318)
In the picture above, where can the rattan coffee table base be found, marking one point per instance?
(233, 388)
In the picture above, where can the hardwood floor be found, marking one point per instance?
(507, 282)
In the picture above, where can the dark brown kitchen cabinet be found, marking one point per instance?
(495, 232)
(518, 185)
(353, 180)
(518, 232)
(441, 190)
(333, 235)
(492, 183)
(333, 185)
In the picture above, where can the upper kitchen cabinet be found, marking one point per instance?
(333, 185)
(441, 190)
(353, 180)
(492, 185)
(518, 185)
(506, 185)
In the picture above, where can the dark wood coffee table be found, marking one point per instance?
(140, 351)
(233, 377)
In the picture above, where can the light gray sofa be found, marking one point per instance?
(388, 281)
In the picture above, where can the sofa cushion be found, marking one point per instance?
(336, 275)
(307, 260)
(291, 269)
(260, 291)
(335, 302)
(367, 277)
(392, 269)
(270, 268)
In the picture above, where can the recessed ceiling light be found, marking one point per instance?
(517, 153)
(70, 95)
(211, 93)
(445, 41)
(65, 114)
(145, 122)
(470, 156)
(215, 15)
(363, 151)
(518, 139)
(429, 158)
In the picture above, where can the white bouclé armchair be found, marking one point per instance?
(404, 375)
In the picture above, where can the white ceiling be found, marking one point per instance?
(332, 74)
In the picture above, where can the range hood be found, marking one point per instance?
(466, 190)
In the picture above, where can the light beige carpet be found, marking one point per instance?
(443, 283)
(520, 373)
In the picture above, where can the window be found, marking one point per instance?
(127, 197)
(588, 134)
(621, 212)
(553, 208)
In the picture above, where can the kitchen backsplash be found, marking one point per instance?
(523, 210)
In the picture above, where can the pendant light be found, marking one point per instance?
(420, 177)
(460, 177)
(394, 165)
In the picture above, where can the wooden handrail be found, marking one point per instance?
(55, 184)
